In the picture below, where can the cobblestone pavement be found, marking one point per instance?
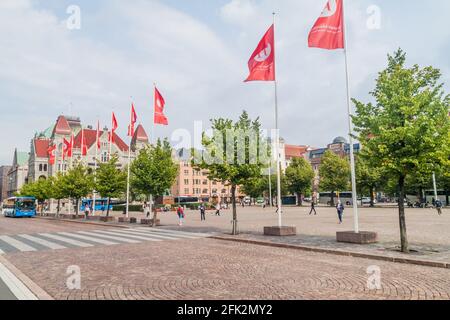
(424, 226)
(428, 233)
(214, 269)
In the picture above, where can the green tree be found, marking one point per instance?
(255, 187)
(334, 174)
(77, 183)
(111, 182)
(299, 176)
(368, 179)
(57, 190)
(407, 129)
(235, 153)
(40, 189)
(154, 171)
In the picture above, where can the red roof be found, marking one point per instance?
(90, 136)
(62, 126)
(140, 134)
(295, 151)
(41, 147)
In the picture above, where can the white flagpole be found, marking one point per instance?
(350, 127)
(277, 146)
(129, 162)
(94, 192)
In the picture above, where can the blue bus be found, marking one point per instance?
(20, 207)
(100, 204)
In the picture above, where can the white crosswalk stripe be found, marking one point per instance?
(96, 240)
(170, 234)
(121, 234)
(163, 236)
(66, 240)
(96, 234)
(42, 242)
(17, 244)
(147, 235)
(195, 234)
(84, 239)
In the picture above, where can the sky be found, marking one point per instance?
(197, 53)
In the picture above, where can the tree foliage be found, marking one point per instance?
(406, 130)
(111, 181)
(235, 158)
(299, 176)
(334, 174)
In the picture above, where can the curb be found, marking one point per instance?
(21, 280)
(434, 264)
(85, 222)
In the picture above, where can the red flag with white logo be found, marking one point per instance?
(328, 31)
(160, 118)
(133, 119)
(51, 154)
(262, 61)
(68, 145)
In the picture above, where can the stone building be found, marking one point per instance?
(18, 174)
(4, 170)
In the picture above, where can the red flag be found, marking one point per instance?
(98, 135)
(68, 145)
(328, 31)
(113, 129)
(84, 148)
(160, 118)
(51, 154)
(133, 120)
(262, 61)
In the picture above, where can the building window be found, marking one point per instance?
(45, 167)
(186, 181)
(40, 167)
(186, 191)
(186, 172)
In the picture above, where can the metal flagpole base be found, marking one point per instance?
(362, 237)
(280, 231)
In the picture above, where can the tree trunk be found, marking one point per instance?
(77, 202)
(107, 206)
(447, 196)
(332, 199)
(372, 197)
(233, 201)
(155, 216)
(299, 199)
(401, 211)
(58, 207)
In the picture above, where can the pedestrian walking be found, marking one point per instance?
(218, 210)
(180, 213)
(202, 213)
(313, 208)
(146, 209)
(438, 205)
(340, 211)
(87, 210)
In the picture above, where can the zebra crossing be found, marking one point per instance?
(86, 239)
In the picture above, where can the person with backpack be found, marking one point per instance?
(438, 205)
(202, 212)
(180, 213)
(340, 210)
